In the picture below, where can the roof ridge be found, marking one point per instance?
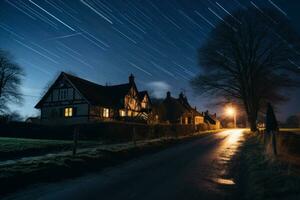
(104, 86)
(123, 84)
(81, 79)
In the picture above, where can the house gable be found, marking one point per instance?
(62, 91)
(131, 99)
(145, 100)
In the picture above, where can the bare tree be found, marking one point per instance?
(10, 80)
(250, 57)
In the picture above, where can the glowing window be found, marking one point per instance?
(68, 112)
(198, 120)
(105, 112)
(186, 120)
(122, 113)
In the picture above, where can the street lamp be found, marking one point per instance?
(232, 112)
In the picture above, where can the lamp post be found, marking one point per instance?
(232, 112)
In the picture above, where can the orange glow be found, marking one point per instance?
(230, 111)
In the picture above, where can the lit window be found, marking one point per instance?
(129, 113)
(122, 113)
(143, 105)
(105, 112)
(68, 112)
(198, 120)
(186, 120)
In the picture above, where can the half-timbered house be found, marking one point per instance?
(72, 100)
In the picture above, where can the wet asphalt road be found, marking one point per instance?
(196, 169)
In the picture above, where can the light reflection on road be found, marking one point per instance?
(219, 160)
(224, 153)
(233, 136)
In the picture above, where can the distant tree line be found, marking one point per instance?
(292, 121)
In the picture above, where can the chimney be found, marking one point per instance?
(181, 96)
(168, 94)
(131, 79)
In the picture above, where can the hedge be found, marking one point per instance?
(111, 131)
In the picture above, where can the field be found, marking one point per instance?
(291, 130)
(13, 148)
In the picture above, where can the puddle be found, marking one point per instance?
(224, 181)
(225, 158)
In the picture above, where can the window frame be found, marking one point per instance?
(122, 113)
(68, 112)
(105, 113)
(63, 94)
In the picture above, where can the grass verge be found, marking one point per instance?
(261, 176)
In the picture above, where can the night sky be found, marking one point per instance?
(106, 40)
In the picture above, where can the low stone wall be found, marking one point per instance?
(108, 131)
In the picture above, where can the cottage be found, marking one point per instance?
(211, 120)
(72, 100)
(176, 111)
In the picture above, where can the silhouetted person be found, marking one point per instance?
(271, 126)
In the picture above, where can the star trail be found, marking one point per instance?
(104, 41)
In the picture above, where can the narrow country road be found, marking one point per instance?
(195, 169)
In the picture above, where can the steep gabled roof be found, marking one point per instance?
(39, 104)
(100, 95)
(95, 94)
(144, 93)
(212, 119)
(183, 100)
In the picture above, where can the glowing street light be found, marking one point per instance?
(231, 111)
